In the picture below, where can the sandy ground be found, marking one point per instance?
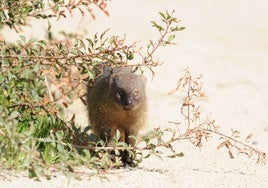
(227, 42)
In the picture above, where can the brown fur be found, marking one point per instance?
(117, 101)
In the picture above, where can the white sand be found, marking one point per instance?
(227, 42)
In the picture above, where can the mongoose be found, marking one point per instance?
(117, 101)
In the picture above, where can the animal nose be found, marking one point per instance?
(128, 104)
(128, 101)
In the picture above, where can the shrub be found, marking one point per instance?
(33, 133)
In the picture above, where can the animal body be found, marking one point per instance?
(117, 101)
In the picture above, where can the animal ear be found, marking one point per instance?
(115, 77)
(112, 79)
(112, 76)
(115, 80)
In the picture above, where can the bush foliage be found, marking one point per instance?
(33, 133)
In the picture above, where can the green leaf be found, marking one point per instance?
(13, 115)
(147, 156)
(157, 26)
(117, 136)
(20, 58)
(56, 8)
(151, 146)
(43, 42)
(130, 56)
(91, 74)
(60, 148)
(36, 67)
(32, 40)
(181, 28)
(91, 43)
(163, 15)
(22, 37)
(27, 161)
(181, 154)
(171, 37)
(32, 173)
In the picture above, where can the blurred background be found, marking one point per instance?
(226, 41)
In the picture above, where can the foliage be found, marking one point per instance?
(17, 13)
(200, 129)
(33, 134)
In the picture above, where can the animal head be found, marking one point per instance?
(129, 90)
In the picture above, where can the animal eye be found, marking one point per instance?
(120, 93)
(135, 94)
